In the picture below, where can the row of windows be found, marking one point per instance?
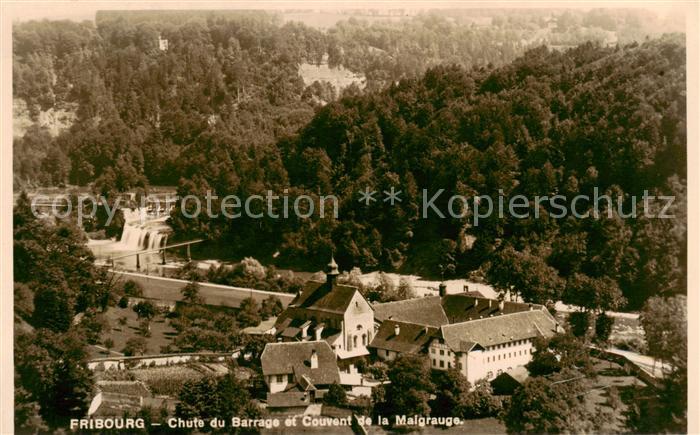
(509, 344)
(498, 346)
(442, 364)
(353, 341)
(442, 351)
(508, 355)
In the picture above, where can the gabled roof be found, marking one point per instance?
(421, 311)
(412, 338)
(317, 295)
(468, 346)
(463, 306)
(449, 309)
(499, 329)
(287, 358)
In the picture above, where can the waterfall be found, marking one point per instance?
(141, 233)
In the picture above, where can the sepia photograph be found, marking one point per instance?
(348, 217)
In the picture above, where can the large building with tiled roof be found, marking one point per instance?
(394, 338)
(422, 311)
(327, 311)
(486, 347)
(480, 337)
(447, 309)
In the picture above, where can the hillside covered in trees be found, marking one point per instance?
(566, 123)
(100, 101)
(224, 109)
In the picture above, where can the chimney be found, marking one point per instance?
(442, 289)
(314, 359)
(318, 331)
(331, 273)
(397, 330)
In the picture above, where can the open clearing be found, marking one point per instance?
(161, 332)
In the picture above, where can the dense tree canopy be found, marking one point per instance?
(55, 279)
(224, 110)
(591, 121)
(210, 397)
(543, 406)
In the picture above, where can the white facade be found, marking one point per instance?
(481, 363)
(357, 329)
(162, 44)
(356, 326)
(277, 383)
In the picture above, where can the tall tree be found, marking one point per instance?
(224, 397)
(52, 370)
(525, 275)
(249, 313)
(542, 406)
(410, 388)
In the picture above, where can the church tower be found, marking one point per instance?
(331, 273)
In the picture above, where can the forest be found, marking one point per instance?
(446, 105)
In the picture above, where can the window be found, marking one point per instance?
(364, 339)
(432, 350)
(459, 365)
(488, 359)
(354, 341)
(442, 364)
(449, 365)
(499, 357)
(290, 378)
(442, 352)
(279, 379)
(434, 363)
(489, 375)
